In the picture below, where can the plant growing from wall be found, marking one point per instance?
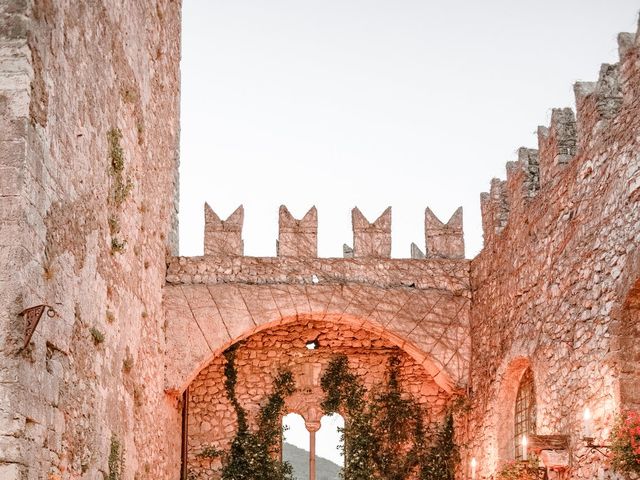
(120, 187)
(521, 470)
(253, 453)
(384, 435)
(96, 335)
(398, 427)
(116, 459)
(625, 443)
(440, 461)
(344, 392)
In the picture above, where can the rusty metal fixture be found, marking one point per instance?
(32, 315)
(593, 447)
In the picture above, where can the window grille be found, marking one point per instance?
(525, 411)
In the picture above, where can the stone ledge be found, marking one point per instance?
(423, 274)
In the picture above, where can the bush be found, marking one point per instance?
(625, 443)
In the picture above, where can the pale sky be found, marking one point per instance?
(338, 103)
(343, 103)
(327, 438)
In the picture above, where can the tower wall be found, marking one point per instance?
(551, 284)
(89, 97)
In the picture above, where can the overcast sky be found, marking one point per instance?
(338, 103)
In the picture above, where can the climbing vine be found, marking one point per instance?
(384, 435)
(440, 460)
(344, 392)
(253, 454)
(399, 428)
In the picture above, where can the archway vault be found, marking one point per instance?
(431, 325)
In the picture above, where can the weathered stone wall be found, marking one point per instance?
(88, 166)
(212, 420)
(551, 287)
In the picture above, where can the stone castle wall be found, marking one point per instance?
(212, 420)
(89, 127)
(88, 182)
(419, 304)
(551, 286)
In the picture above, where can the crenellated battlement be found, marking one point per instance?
(299, 238)
(570, 139)
(223, 237)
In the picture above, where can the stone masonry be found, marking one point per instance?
(211, 416)
(555, 287)
(89, 126)
(88, 196)
(212, 302)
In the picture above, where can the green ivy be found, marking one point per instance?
(345, 393)
(521, 470)
(384, 434)
(439, 461)
(399, 428)
(253, 454)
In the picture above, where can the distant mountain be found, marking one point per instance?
(299, 460)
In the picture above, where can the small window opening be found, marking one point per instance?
(312, 344)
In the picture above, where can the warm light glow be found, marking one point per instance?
(525, 453)
(474, 464)
(587, 423)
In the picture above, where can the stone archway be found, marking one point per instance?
(260, 356)
(203, 320)
(507, 400)
(419, 307)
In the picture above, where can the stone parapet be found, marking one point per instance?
(437, 274)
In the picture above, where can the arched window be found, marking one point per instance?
(525, 412)
(329, 443)
(295, 445)
(313, 450)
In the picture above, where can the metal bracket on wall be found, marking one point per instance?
(598, 448)
(32, 316)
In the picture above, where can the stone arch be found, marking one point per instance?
(431, 365)
(259, 358)
(508, 390)
(204, 320)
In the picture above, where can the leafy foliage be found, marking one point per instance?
(344, 392)
(399, 428)
(521, 470)
(116, 459)
(441, 459)
(625, 443)
(384, 435)
(252, 455)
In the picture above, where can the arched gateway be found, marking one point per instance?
(417, 309)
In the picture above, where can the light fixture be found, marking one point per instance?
(588, 437)
(587, 423)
